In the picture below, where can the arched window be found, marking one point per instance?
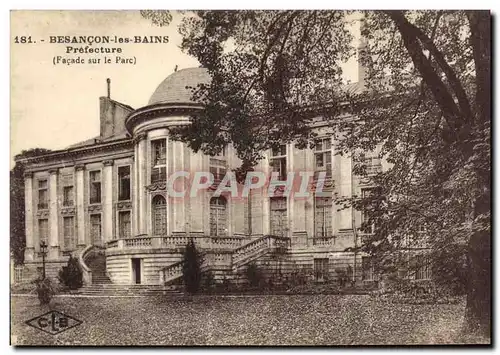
(159, 214)
(218, 217)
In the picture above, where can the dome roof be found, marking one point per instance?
(173, 88)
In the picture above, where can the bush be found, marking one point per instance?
(342, 276)
(45, 290)
(208, 282)
(191, 268)
(253, 275)
(299, 277)
(71, 275)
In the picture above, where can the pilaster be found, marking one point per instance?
(80, 203)
(107, 207)
(345, 189)
(141, 173)
(53, 252)
(28, 204)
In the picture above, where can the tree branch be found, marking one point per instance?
(429, 75)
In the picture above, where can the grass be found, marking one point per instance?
(257, 320)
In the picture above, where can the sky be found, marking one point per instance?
(54, 106)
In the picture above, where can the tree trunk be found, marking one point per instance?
(478, 310)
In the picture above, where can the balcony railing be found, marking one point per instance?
(372, 169)
(324, 241)
(43, 205)
(176, 241)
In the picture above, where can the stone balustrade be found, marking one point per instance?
(175, 242)
(232, 258)
(171, 272)
(324, 241)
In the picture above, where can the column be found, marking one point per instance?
(289, 197)
(141, 174)
(107, 207)
(177, 204)
(264, 196)
(28, 201)
(80, 204)
(334, 187)
(197, 215)
(135, 195)
(345, 190)
(53, 252)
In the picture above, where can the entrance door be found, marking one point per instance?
(136, 270)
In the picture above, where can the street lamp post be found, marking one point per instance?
(43, 250)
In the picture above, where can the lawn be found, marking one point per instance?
(255, 320)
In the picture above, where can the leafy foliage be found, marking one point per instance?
(45, 290)
(71, 275)
(17, 208)
(191, 268)
(254, 275)
(423, 107)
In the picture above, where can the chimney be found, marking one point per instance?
(112, 115)
(361, 48)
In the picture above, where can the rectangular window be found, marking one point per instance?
(69, 233)
(321, 269)
(323, 156)
(68, 196)
(68, 189)
(423, 269)
(218, 166)
(95, 228)
(371, 161)
(124, 183)
(158, 160)
(43, 194)
(323, 217)
(367, 226)
(367, 268)
(278, 162)
(95, 186)
(278, 216)
(43, 230)
(218, 217)
(124, 224)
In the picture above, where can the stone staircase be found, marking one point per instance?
(239, 257)
(97, 263)
(116, 290)
(95, 260)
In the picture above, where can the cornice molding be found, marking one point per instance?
(80, 152)
(146, 113)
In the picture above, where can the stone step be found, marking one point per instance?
(128, 287)
(91, 290)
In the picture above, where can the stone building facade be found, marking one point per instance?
(108, 197)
